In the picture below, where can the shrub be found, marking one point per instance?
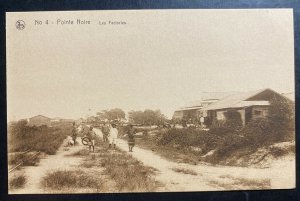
(233, 123)
(17, 181)
(278, 152)
(186, 137)
(70, 179)
(22, 137)
(282, 113)
(129, 174)
(233, 120)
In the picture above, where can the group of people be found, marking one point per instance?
(110, 135)
(88, 132)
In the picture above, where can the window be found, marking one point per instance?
(257, 112)
(220, 115)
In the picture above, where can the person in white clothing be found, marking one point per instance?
(202, 122)
(113, 135)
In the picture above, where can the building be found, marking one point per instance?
(250, 105)
(56, 119)
(39, 120)
(192, 111)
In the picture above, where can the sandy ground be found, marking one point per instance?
(210, 178)
(49, 163)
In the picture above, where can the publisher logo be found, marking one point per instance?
(20, 24)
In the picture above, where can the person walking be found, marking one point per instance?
(131, 140)
(113, 135)
(92, 136)
(105, 131)
(74, 134)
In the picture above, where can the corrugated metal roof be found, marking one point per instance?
(234, 101)
(251, 103)
(189, 108)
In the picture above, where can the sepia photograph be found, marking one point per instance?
(177, 100)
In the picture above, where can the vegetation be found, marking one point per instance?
(28, 159)
(129, 174)
(22, 137)
(60, 179)
(17, 181)
(147, 117)
(112, 114)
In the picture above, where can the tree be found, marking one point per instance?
(136, 117)
(112, 114)
(18, 127)
(281, 113)
(148, 117)
(278, 126)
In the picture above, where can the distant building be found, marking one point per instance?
(193, 110)
(56, 119)
(250, 105)
(39, 120)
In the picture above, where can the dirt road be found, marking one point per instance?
(210, 178)
(60, 160)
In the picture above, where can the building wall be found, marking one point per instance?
(246, 113)
(259, 112)
(178, 115)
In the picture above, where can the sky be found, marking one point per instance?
(159, 59)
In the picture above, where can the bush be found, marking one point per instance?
(70, 179)
(278, 152)
(233, 120)
(17, 181)
(129, 173)
(187, 137)
(22, 137)
(232, 124)
(277, 127)
(27, 159)
(282, 113)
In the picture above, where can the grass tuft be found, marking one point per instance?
(127, 173)
(17, 181)
(27, 159)
(70, 179)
